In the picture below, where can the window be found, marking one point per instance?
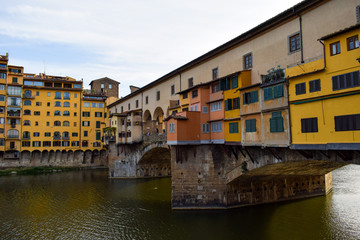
(352, 42)
(57, 104)
(136, 103)
(215, 87)
(27, 103)
(57, 113)
(216, 106)
(66, 104)
(2, 75)
(228, 104)
(57, 95)
(86, 123)
(14, 101)
(97, 124)
(57, 136)
(48, 104)
(37, 113)
(14, 90)
(205, 109)
(48, 94)
(185, 95)
(225, 84)
(36, 143)
(24, 143)
(86, 114)
(348, 80)
(75, 143)
(234, 82)
(2, 87)
(247, 61)
(37, 93)
(273, 92)
(294, 43)
(234, 127)
(85, 133)
(98, 114)
(66, 123)
(74, 134)
(65, 135)
(314, 85)
(158, 95)
(66, 113)
(172, 89)
(26, 135)
(146, 100)
(38, 104)
(2, 98)
(14, 79)
(46, 143)
(27, 112)
(309, 125)
(194, 93)
(48, 134)
(190, 82)
(347, 122)
(98, 135)
(172, 127)
(215, 73)
(36, 134)
(128, 106)
(27, 123)
(57, 123)
(236, 103)
(76, 85)
(56, 143)
(110, 86)
(93, 105)
(47, 123)
(205, 128)
(102, 85)
(250, 97)
(250, 125)
(300, 88)
(86, 104)
(276, 122)
(75, 105)
(216, 127)
(12, 133)
(335, 48)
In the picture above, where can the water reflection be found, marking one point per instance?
(86, 205)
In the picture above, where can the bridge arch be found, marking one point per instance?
(155, 162)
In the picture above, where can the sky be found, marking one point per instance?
(133, 42)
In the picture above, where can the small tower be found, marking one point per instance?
(106, 86)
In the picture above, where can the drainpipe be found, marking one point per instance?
(301, 40)
(180, 81)
(323, 52)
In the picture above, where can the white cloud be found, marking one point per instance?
(134, 41)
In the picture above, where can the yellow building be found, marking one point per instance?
(324, 96)
(231, 86)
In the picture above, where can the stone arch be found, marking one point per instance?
(103, 158)
(58, 156)
(64, 156)
(35, 158)
(158, 117)
(155, 162)
(78, 156)
(87, 157)
(70, 156)
(52, 156)
(147, 116)
(25, 157)
(45, 156)
(95, 156)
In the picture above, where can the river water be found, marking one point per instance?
(87, 205)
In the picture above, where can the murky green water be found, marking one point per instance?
(86, 205)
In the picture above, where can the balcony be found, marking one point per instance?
(28, 96)
(26, 138)
(12, 136)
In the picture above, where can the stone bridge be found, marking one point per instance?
(217, 176)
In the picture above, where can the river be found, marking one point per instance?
(87, 205)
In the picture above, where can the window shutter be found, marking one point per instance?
(222, 84)
(255, 97)
(234, 82)
(244, 98)
(272, 125)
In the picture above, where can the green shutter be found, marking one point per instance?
(278, 91)
(250, 125)
(244, 99)
(222, 84)
(234, 82)
(273, 125)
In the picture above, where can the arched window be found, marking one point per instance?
(27, 103)
(57, 95)
(66, 95)
(57, 123)
(57, 113)
(57, 136)
(27, 112)
(65, 135)
(13, 133)
(27, 123)
(27, 94)
(66, 123)
(26, 135)
(57, 104)
(66, 104)
(66, 113)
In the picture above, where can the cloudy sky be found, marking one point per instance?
(134, 42)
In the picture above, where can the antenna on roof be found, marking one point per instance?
(44, 67)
